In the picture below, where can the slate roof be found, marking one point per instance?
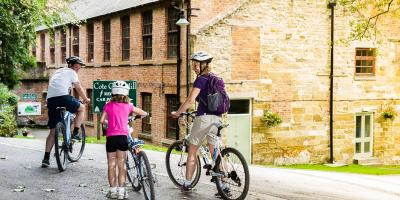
(87, 9)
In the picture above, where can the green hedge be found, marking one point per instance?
(8, 103)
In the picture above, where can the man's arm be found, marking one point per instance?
(81, 93)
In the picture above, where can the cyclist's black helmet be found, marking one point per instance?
(73, 60)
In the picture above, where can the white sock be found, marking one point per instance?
(113, 189)
(121, 190)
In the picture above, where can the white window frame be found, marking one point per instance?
(362, 139)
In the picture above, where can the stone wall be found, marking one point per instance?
(286, 54)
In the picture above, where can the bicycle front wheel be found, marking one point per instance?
(76, 147)
(146, 175)
(132, 171)
(175, 162)
(59, 146)
(233, 177)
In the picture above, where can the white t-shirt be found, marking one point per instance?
(61, 82)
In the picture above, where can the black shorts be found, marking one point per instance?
(69, 102)
(118, 142)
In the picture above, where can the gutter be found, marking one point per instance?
(331, 5)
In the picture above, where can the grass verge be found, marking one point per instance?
(93, 140)
(357, 169)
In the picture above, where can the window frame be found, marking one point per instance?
(365, 58)
(42, 47)
(125, 37)
(107, 40)
(171, 98)
(172, 32)
(90, 42)
(147, 34)
(146, 106)
(90, 115)
(75, 40)
(52, 50)
(63, 45)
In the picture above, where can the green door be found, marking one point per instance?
(239, 129)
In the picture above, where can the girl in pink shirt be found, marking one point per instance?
(117, 111)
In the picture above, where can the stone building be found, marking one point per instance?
(276, 54)
(273, 55)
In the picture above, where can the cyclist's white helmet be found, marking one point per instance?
(120, 87)
(201, 56)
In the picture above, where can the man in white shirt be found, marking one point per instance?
(58, 95)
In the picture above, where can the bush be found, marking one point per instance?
(8, 103)
(271, 119)
(8, 125)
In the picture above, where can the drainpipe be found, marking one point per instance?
(331, 5)
(189, 12)
(70, 45)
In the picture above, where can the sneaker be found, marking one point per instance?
(112, 195)
(76, 136)
(226, 190)
(123, 196)
(186, 188)
(45, 163)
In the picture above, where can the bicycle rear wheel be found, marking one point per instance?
(175, 162)
(76, 147)
(59, 146)
(132, 171)
(233, 175)
(147, 179)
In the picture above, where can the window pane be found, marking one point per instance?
(171, 122)
(239, 107)
(367, 129)
(358, 126)
(146, 101)
(367, 147)
(358, 53)
(358, 147)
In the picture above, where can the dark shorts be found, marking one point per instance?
(69, 102)
(118, 142)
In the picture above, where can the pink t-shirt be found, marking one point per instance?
(118, 114)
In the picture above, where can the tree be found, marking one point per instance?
(367, 15)
(18, 20)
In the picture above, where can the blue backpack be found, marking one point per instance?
(217, 99)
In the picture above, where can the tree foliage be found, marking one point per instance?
(18, 20)
(368, 14)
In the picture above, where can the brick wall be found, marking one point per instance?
(156, 76)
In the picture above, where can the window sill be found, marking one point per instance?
(123, 63)
(145, 136)
(364, 78)
(169, 61)
(146, 62)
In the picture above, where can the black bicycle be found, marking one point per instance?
(138, 168)
(227, 166)
(67, 148)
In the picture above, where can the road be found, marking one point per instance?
(21, 158)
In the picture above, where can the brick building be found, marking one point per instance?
(272, 55)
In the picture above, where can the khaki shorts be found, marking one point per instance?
(202, 126)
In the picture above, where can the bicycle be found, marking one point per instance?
(65, 146)
(138, 168)
(227, 166)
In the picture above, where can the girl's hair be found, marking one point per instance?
(120, 98)
(204, 68)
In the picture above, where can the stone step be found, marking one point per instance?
(368, 161)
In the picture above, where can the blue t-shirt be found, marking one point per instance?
(201, 82)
